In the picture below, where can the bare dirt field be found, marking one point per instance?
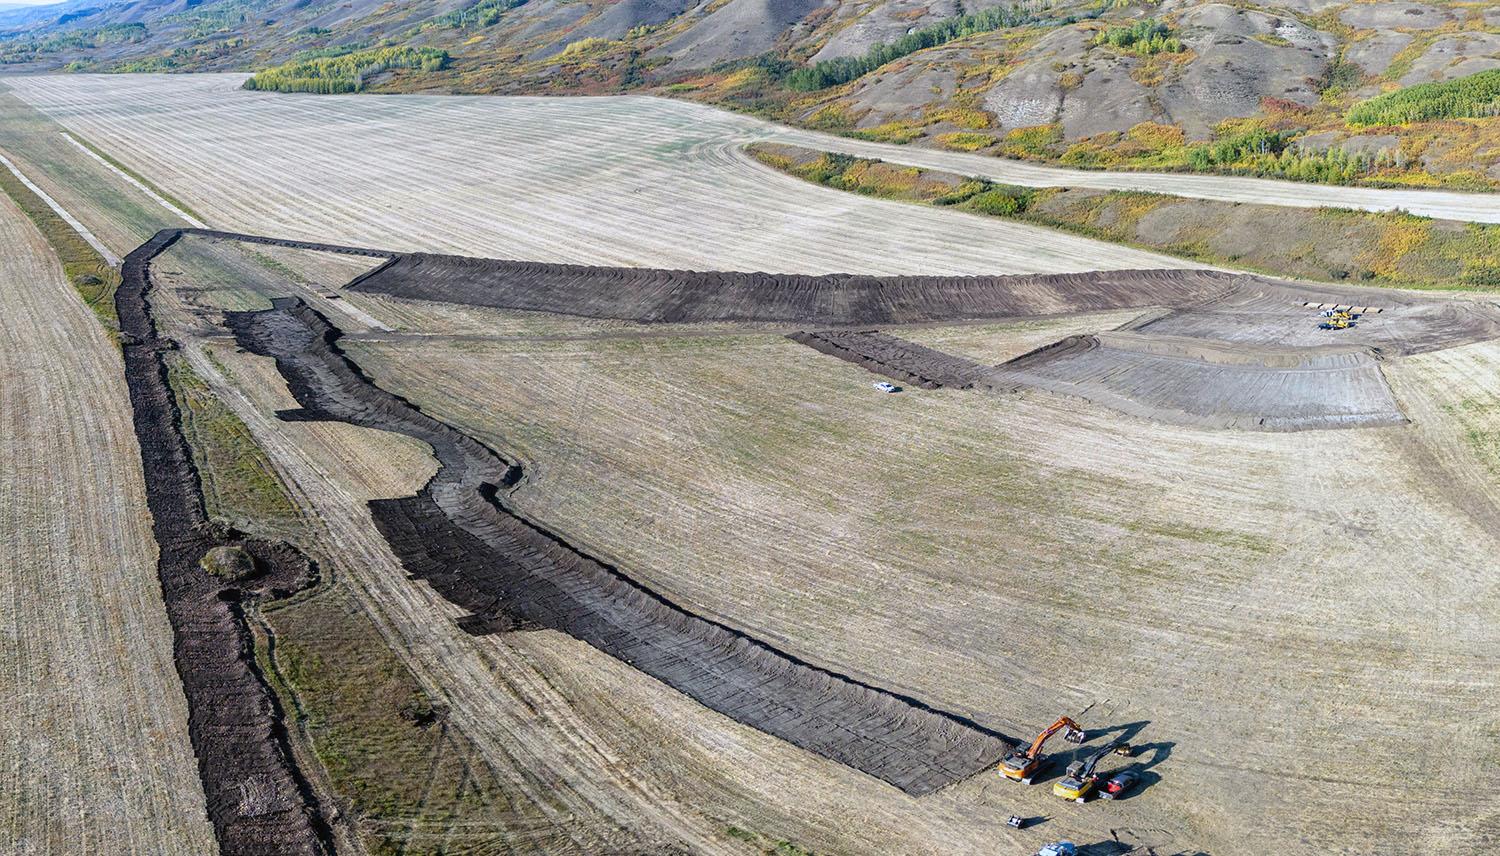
(97, 755)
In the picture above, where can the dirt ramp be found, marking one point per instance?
(896, 358)
(1185, 381)
(650, 295)
(459, 535)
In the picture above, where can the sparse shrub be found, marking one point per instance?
(1002, 201)
(966, 141)
(583, 46)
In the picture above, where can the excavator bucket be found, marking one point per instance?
(1075, 735)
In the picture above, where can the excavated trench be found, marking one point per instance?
(459, 535)
(257, 799)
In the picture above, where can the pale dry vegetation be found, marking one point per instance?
(1011, 558)
(97, 757)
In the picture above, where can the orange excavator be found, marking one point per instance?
(1023, 764)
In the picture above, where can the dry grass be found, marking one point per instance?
(1033, 555)
(240, 486)
(411, 782)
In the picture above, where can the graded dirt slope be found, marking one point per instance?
(1192, 382)
(97, 756)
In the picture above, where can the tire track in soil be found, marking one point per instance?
(457, 534)
(257, 799)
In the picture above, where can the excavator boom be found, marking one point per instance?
(1022, 765)
(1080, 780)
(1062, 722)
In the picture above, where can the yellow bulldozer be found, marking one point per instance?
(1336, 319)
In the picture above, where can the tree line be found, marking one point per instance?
(1473, 97)
(326, 74)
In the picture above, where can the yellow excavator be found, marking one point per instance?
(1022, 765)
(1081, 780)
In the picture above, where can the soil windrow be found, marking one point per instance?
(257, 799)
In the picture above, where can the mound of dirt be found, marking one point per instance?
(228, 562)
(896, 358)
(650, 295)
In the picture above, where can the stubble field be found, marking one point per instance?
(97, 755)
(1297, 628)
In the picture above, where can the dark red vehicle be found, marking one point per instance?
(1118, 784)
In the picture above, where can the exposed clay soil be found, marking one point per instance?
(457, 534)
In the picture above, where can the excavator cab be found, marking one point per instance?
(1022, 764)
(1080, 779)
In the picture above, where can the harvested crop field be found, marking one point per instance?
(1294, 629)
(997, 525)
(199, 123)
(97, 754)
(559, 180)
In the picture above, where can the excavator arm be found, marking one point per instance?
(1074, 734)
(1094, 759)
